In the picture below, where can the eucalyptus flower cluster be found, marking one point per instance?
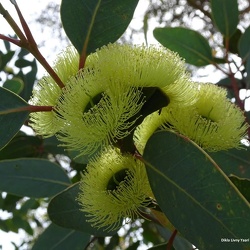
(112, 106)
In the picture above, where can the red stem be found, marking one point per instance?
(29, 108)
(171, 240)
(40, 108)
(28, 41)
(32, 47)
(11, 40)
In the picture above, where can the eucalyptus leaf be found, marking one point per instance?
(244, 44)
(58, 238)
(195, 49)
(64, 211)
(195, 195)
(242, 184)
(91, 24)
(10, 123)
(32, 177)
(29, 80)
(5, 58)
(234, 161)
(225, 15)
(15, 85)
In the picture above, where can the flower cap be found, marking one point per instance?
(113, 187)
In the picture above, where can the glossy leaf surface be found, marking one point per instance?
(15, 85)
(244, 44)
(91, 24)
(226, 15)
(192, 191)
(12, 122)
(32, 177)
(58, 238)
(195, 49)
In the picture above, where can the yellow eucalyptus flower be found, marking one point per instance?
(95, 114)
(140, 66)
(47, 92)
(145, 130)
(114, 187)
(119, 80)
(213, 122)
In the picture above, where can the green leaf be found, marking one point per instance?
(244, 44)
(91, 24)
(64, 211)
(58, 238)
(196, 196)
(51, 145)
(5, 58)
(20, 146)
(6, 44)
(23, 63)
(16, 223)
(12, 122)
(29, 80)
(23, 52)
(225, 15)
(15, 85)
(9, 202)
(233, 42)
(234, 161)
(188, 43)
(243, 185)
(32, 177)
(28, 205)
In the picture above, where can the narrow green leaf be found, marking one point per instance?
(58, 238)
(22, 63)
(32, 177)
(29, 80)
(192, 191)
(188, 43)
(233, 42)
(23, 52)
(91, 24)
(225, 15)
(64, 211)
(10, 123)
(7, 45)
(243, 185)
(244, 44)
(15, 85)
